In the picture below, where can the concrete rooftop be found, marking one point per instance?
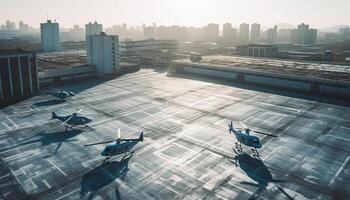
(187, 152)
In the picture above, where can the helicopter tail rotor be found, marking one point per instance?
(230, 129)
(141, 137)
(54, 115)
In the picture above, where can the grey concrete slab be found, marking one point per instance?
(187, 152)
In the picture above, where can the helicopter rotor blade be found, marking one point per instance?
(262, 133)
(79, 111)
(243, 125)
(86, 145)
(118, 136)
(67, 120)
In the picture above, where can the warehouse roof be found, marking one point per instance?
(276, 66)
(13, 51)
(62, 59)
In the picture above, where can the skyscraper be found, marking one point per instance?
(244, 33)
(91, 29)
(104, 53)
(228, 33)
(255, 33)
(306, 35)
(23, 27)
(50, 36)
(212, 32)
(272, 35)
(10, 26)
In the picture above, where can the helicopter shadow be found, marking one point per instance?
(49, 102)
(256, 170)
(56, 138)
(102, 176)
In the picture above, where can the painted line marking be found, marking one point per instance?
(10, 120)
(59, 169)
(46, 183)
(338, 137)
(271, 153)
(339, 170)
(64, 196)
(7, 126)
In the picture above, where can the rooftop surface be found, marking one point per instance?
(62, 59)
(276, 66)
(187, 152)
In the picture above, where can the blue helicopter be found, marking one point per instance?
(118, 146)
(61, 94)
(244, 136)
(72, 120)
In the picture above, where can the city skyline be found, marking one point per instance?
(183, 13)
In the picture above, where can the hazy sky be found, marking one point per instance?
(318, 13)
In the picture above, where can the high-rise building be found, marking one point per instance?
(211, 32)
(305, 35)
(255, 33)
(50, 36)
(228, 33)
(303, 30)
(104, 53)
(18, 74)
(344, 33)
(312, 36)
(244, 33)
(23, 27)
(149, 32)
(10, 26)
(91, 29)
(272, 35)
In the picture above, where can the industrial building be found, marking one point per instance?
(18, 75)
(50, 36)
(69, 66)
(130, 49)
(156, 58)
(58, 67)
(104, 55)
(257, 50)
(311, 78)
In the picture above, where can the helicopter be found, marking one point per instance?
(72, 120)
(118, 146)
(245, 137)
(61, 94)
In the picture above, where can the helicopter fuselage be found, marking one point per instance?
(116, 148)
(74, 120)
(244, 137)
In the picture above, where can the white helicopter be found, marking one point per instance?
(118, 146)
(245, 137)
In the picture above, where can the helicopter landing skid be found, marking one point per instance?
(255, 153)
(239, 147)
(107, 158)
